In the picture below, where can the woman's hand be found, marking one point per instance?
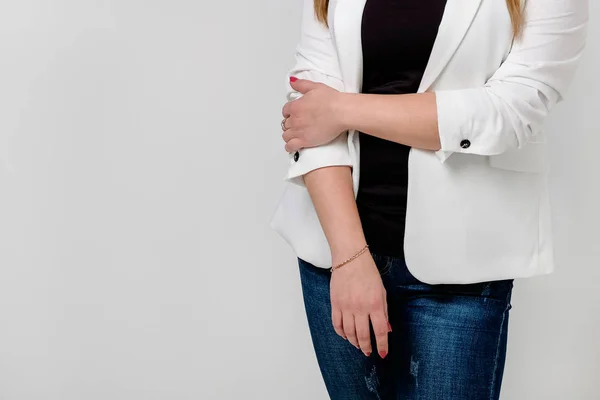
(358, 298)
(313, 119)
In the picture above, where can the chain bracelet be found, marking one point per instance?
(350, 259)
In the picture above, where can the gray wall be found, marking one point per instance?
(140, 161)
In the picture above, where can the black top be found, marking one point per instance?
(397, 38)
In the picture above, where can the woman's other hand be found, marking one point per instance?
(358, 298)
(313, 119)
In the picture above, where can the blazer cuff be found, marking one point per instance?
(310, 158)
(473, 121)
(454, 135)
(443, 155)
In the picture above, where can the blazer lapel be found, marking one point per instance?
(456, 20)
(347, 23)
(347, 20)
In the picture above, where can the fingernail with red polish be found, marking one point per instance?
(389, 327)
(382, 354)
(293, 79)
(368, 353)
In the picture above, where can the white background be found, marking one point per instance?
(140, 161)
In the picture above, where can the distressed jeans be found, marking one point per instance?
(448, 342)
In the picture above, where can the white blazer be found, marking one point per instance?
(478, 208)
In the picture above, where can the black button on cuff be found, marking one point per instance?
(296, 156)
(465, 144)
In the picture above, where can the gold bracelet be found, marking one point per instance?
(350, 259)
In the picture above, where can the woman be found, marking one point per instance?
(438, 107)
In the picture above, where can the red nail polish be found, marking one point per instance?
(368, 353)
(293, 79)
(382, 354)
(389, 326)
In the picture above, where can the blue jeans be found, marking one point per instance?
(448, 342)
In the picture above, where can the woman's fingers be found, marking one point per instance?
(363, 333)
(336, 319)
(285, 110)
(292, 145)
(356, 294)
(380, 327)
(385, 309)
(385, 306)
(349, 328)
(288, 134)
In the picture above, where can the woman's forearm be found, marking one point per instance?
(409, 119)
(331, 191)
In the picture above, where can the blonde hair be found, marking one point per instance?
(514, 8)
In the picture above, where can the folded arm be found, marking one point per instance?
(315, 60)
(505, 113)
(358, 297)
(330, 188)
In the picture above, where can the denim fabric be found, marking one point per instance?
(448, 342)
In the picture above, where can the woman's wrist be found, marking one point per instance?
(364, 249)
(346, 249)
(344, 107)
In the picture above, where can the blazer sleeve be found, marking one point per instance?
(509, 110)
(316, 59)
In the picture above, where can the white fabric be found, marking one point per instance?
(477, 212)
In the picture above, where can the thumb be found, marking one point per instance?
(302, 85)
